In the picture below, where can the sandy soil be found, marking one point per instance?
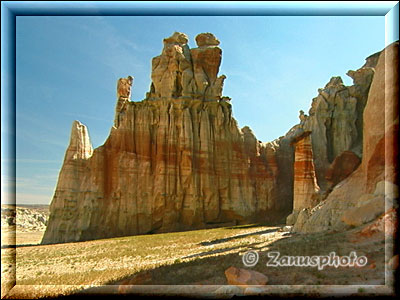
(194, 262)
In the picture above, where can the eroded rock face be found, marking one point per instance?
(335, 122)
(174, 161)
(65, 203)
(358, 198)
(305, 183)
(124, 86)
(168, 166)
(191, 73)
(342, 166)
(336, 119)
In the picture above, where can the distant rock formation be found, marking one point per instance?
(25, 218)
(174, 161)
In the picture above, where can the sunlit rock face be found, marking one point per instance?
(177, 160)
(305, 183)
(189, 73)
(174, 161)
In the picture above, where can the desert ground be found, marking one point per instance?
(189, 263)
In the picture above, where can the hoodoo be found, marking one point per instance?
(174, 161)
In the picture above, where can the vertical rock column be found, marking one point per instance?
(305, 183)
(63, 208)
(305, 187)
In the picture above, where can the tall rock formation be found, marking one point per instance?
(335, 129)
(361, 197)
(174, 161)
(305, 183)
(335, 119)
(65, 204)
(178, 161)
(190, 73)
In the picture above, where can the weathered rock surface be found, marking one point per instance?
(183, 72)
(379, 150)
(336, 124)
(305, 182)
(336, 119)
(26, 219)
(283, 151)
(342, 166)
(174, 161)
(177, 160)
(124, 86)
(305, 188)
(244, 277)
(365, 213)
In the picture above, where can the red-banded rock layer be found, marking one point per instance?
(168, 166)
(174, 161)
(305, 182)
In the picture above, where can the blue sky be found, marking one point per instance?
(67, 69)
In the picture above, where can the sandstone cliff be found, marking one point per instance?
(174, 161)
(178, 161)
(329, 139)
(360, 198)
(335, 119)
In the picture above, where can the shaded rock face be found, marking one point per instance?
(335, 122)
(342, 166)
(336, 119)
(361, 196)
(174, 161)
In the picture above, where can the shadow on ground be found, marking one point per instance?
(208, 268)
(218, 241)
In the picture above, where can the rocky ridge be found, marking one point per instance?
(178, 161)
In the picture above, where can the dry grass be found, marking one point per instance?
(192, 257)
